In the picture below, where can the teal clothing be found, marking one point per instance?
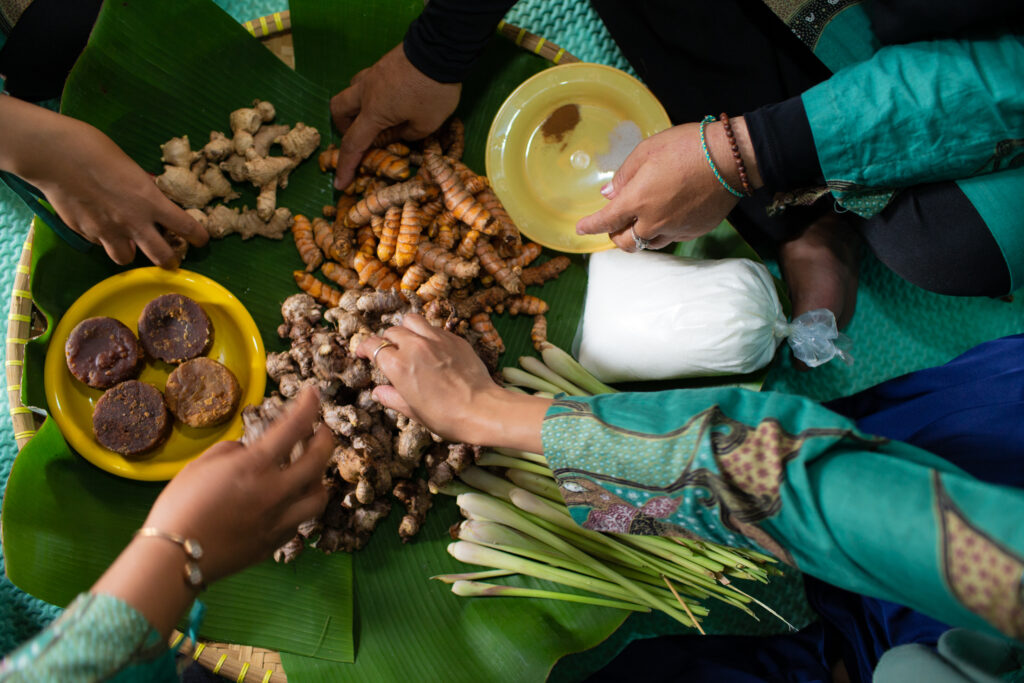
(96, 638)
(786, 476)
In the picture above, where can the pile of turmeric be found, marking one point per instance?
(194, 179)
(439, 233)
(380, 455)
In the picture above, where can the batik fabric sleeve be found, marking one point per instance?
(96, 637)
(783, 475)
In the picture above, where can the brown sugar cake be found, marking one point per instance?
(202, 393)
(131, 418)
(102, 352)
(174, 328)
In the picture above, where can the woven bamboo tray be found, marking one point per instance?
(240, 663)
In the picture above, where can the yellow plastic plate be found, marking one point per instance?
(547, 167)
(236, 343)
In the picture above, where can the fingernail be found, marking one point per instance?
(337, 185)
(607, 189)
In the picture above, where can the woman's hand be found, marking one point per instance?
(242, 502)
(666, 192)
(438, 380)
(96, 189)
(390, 94)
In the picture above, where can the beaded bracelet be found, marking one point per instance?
(736, 156)
(707, 155)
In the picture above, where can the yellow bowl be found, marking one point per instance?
(236, 343)
(550, 146)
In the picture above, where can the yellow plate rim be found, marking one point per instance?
(80, 439)
(497, 122)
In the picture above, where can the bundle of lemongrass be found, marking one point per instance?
(517, 523)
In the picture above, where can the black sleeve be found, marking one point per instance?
(784, 146)
(446, 39)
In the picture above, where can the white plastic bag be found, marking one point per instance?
(650, 315)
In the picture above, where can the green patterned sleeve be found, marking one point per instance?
(96, 637)
(783, 475)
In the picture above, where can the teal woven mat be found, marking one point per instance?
(897, 328)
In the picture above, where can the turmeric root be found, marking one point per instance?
(376, 203)
(436, 287)
(441, 260)
(525, 304)
(457, 200)
(549, 270)
(409, 234)
(447, 233)
(384, 163)
(389, 233)
(481, 322)
(309, 252)
(455, 139)
(506, 230)
(539, 332)
(493, 264)
(346, 278)
(467, 247)
(324, 294)
(416, 498)
(526, 255)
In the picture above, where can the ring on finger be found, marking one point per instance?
(639, 242)
(380, 347)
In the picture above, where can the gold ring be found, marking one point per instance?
(380, 347)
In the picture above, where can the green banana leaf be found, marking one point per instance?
(156, 70)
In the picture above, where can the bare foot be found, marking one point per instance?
(821, 268)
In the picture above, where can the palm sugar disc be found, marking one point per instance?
(236, 344)
(557, 139)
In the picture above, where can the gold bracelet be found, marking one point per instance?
(194, 552)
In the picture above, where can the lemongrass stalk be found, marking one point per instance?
(502, 512)
(535, 483)
(650, 545)
(535, 366)
(482, 480)
(567, 366)
(524, 455)
(472, 553)
(472, 576)
(452, 488)
(521, 378)
(499, 460)
(478, 589)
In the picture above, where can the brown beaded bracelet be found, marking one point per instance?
(737, 157)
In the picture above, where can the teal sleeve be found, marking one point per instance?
(918, 113)
(96, 637)
(783, 475)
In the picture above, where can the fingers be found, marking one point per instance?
(120, 251)
(309, 468)
(353, 146)
(418, 324)
(345, 105)
(310, 506)
(180, 223)
(156, 248)
(295, 425)
(388, 396)
(615, 216)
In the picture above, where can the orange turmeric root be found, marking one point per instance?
(539, 332)
(376, 203)
(549, 270)
(439, 260)
(409, 234)
(436, 287)
(339, 274)
(526, 304)
(467, 247)
(389, 233)
(447, 233)
(460, 202)
(481, 322)
(526, 255)
(399, 149)
(506, 229)
(383, 163)
(302, 231)
(455, 134)
(414, 276)
(473, 183)
(325, 294)
(493, 264)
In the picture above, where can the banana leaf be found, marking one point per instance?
(156, 70)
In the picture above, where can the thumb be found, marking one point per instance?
(622, 176)
(617, 215)
(353, 146)
(388, 396)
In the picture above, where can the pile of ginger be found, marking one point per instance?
(380, 455)
(194, 179)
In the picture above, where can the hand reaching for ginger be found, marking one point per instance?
(390, 94)
(666, 192)
(438, 380)
(95, 188)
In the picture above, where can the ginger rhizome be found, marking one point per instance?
(379, 454)
(194, 179)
